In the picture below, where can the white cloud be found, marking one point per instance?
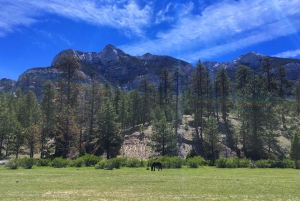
(127, 16)
(289, 54)
(224, 27)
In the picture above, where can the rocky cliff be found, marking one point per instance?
(109, 65)
(113, 65)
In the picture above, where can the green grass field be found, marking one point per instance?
(204, 183)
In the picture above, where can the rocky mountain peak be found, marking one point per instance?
(108, 54)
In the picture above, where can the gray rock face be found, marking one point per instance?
(113, 65)
(109, 65)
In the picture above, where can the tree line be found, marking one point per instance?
(249, 113)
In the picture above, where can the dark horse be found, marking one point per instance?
(158, 165)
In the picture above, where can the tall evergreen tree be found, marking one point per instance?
(108, 128)
(163, 138)
(296, 95)
(212, 137)
(66, 132)
(199, 89)
(69, 66)
(222, 86)
(295, 150)
(49, 109)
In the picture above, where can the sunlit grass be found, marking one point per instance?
(204, 183)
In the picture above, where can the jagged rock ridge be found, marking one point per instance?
(114, 65)
(110, 64)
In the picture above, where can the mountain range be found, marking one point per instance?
(113, 65)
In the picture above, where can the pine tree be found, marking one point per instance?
(108, 128)
(212, 137)
(177, 80)
(296, 94)
(134, 107)
(69, 66)
(145, 99)
(32, 134)
(222, 86)
(163, 138)
(295, 150)
(49, 109)
(199, 89)
(66, 132)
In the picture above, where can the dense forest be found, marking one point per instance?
(252, 111)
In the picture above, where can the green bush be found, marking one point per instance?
(288, 163)
(109, 164)
(244, 163)
(60, 162)
(43, 162)
(192, 163)
(195, 162)
(133, 162)
(27, 163)
(78, 162)
(232, 163)
(12, 164)
(90, 160)
(123, 161)
(100, 165)
(169, 162)
(263, 163)
(221, 162)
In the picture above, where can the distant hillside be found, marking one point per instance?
(254, 61)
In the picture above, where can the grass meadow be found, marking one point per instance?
(203, 183)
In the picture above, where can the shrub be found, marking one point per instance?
(123, 161)
(171, 162)
(263, 163)
(109, 164)
(100, 165)
(43, 162)
(244, 163)
(192, 163)
(133, 162)
(195, 162)
(60, 162)
(27, 163)
(288, 163)
(221, 162)
(90, 160)
(232, 163)
(12, 164)
(78, 162)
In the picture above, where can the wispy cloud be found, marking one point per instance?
(128, 15)
(289, 54)
(223, 27)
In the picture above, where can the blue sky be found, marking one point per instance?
(32, 32)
